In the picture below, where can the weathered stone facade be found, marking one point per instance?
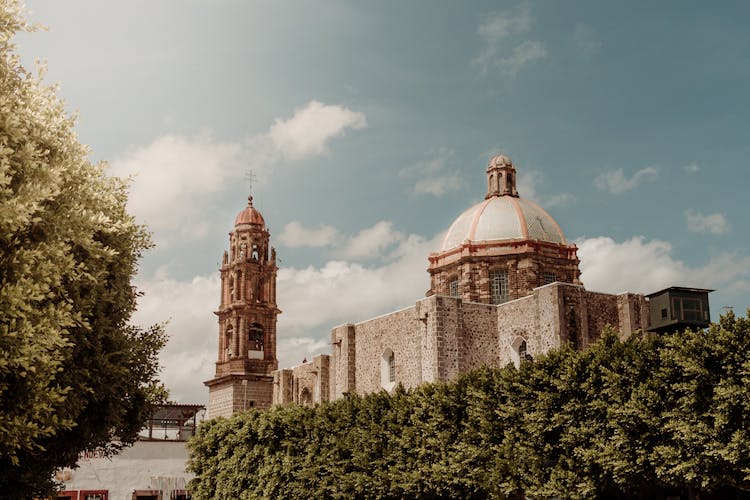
(441, 337)
(505, 285)
(306, 383)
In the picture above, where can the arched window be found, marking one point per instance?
(519, 351)
(388, 370)
(239, 285)
(231, 289)
(305, 397)
(255, 337)
(228, 342)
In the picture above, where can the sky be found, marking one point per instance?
(368, 126)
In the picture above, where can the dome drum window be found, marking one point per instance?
(499, 291)
(453, 287)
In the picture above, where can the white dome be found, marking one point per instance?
(502, 218)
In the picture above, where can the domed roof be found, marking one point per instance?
(503, 218)
(249, 215)
(503, 215)
(500, 161)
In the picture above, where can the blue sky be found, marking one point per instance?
(369, 125)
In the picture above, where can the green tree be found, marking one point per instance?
(707, 415)
(73, 374)
(648, 417)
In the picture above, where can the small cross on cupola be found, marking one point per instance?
(501, 177)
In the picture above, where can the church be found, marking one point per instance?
(504, 287)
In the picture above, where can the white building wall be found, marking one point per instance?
(143, 466)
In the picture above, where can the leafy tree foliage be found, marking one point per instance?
(641, 418)
(73, 374)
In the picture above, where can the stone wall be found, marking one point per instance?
(230, 396)
(220, 401)
(536, 319)
(601, 309)
(441, 337)
(283, 383)
(342, 366)
(517, 319)
(633, 313)
(307, 383)
(478, 344)
(398, 331)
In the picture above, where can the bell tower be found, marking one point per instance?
(247, 320)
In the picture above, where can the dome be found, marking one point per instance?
(503, 218)
(500, 161)
(503, 215)
(249, 215)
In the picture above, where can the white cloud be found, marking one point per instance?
(499, 26)
(307, 132)
(692, 168)
(189, 357)
(175, 176)
(340, 291)
(371, 242)
(585, 40)
(434, 176)
(502, 30)
(438, 185)
(712, 223)
(615, 181)
(293, 351)
(642, 266)
(521, 55)
(529, 180)
(294, 234)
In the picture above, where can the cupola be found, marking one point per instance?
(501, 177)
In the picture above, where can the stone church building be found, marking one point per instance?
(504, 285)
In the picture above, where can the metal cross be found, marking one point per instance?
(250, 178)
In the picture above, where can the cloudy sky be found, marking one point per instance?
(368, 126)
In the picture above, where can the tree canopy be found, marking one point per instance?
(73, 373)
(641, 418)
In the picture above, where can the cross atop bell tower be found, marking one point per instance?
(247, 319)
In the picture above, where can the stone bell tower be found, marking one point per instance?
(247, 320)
